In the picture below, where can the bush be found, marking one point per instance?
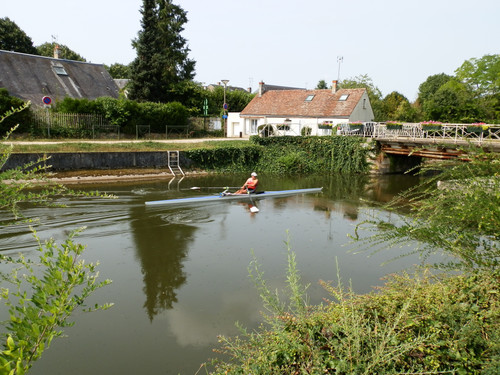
(128, 113)
(23, 118)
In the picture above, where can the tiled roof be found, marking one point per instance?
(32, 77)
(292, 103)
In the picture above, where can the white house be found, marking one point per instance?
(287, 112)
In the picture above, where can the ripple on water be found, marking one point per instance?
(187, 217)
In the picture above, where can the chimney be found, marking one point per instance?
(56, 51)
(261, 88)
(334, 86)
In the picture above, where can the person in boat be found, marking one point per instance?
(250, 185)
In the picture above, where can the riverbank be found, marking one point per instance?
(119, 175)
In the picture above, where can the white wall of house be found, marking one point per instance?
(248, 125)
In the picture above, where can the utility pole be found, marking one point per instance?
(224, 106)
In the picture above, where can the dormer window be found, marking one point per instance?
(59, 70)
(309, 98)
(343, 98)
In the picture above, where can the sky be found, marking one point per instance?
(297, 43)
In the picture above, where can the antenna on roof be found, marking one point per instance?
(340, 59)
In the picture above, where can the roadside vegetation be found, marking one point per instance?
(440, 319)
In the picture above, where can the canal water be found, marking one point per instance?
(180, 274)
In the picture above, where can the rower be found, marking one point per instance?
(250, 185)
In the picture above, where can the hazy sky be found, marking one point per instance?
(397, 43)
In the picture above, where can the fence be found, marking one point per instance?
(79, 125)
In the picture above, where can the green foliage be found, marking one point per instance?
(128, 113)
(321, 85)
(483, 74)
(47, 49)
(12, 38)
(42, 296)
(20, 116)
(453, 102)
(119, 71)
(224, 159)
(330, 154)
(460, 217)
(391, 105)
(305, 131)
(162, 55)
(419, 324)
(427, 89)
(287, 155)
(39, 306)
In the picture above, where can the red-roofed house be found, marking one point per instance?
(288, 111)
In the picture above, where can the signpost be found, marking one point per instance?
(46, 101)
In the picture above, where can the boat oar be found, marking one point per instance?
(213, 187)
(253, 208)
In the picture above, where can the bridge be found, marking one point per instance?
(436, 141)
(443, 141)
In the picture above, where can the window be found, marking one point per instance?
(343, 98)
(253, 126)
(59, 70)
(309, 98)
(364, 103)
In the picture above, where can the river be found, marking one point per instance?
(180, 275)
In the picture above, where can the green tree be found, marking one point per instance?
(483, 74)
(391, 105)
(119, 71)
(409, 112)
(364, 81)
(162, 56)
(453, 102)
(321, 85)
(47, 49)
(483, 77)
(12, 38)
(428, 88)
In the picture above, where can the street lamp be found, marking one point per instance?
(224, 107)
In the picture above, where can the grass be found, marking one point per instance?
(118, 146)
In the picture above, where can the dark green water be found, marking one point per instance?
(180, 274)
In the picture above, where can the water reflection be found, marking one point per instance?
(161, 259)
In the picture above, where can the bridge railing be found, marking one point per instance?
(438, 132)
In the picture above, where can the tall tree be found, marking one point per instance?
(47, 49)
(391, 104)
(453, 102)
(12, 38)
(431, 85)
(162, 55)
(482, 74)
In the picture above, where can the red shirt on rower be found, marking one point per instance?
(250, 184)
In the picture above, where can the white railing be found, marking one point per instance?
(456, 133)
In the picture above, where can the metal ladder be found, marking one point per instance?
(173, 162)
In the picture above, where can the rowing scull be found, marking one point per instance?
(228, 197)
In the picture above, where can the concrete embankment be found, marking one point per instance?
(96, 160)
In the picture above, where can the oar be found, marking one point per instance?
(254, 208)
(213, 187)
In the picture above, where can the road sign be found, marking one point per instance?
(46, 100)
(225, 106)
(224, 116)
